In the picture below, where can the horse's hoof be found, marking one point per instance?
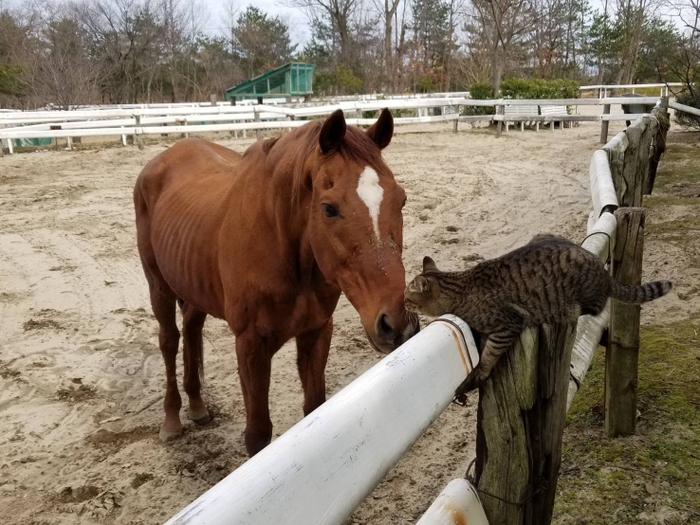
(169, 435)
(200, 419)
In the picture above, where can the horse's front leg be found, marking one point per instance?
(312, 355)
(254, 366)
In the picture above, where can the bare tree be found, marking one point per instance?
(387, 10)
(501, 24)
(65, 75)
(123, 34)
(340, 13)
(631, 17)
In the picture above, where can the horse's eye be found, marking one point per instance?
(330, 211)
(403, 203)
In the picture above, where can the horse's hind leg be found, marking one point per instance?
(192, 324)
(163, 302)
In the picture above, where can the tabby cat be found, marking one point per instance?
(549, 280)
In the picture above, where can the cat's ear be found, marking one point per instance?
(429, 265)
(419, 285)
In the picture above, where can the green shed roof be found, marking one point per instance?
(292, 79)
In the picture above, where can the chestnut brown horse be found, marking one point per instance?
(268, 241)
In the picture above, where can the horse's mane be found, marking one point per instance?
(356, 147)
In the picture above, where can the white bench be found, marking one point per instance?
(555, 111)
(520, 111)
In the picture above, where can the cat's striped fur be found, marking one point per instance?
(549, 280)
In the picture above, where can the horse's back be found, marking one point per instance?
(184, 161)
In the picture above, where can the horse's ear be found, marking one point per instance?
(429, 265)
(381, 131)
(332, 132)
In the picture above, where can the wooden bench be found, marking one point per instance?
(520, 111)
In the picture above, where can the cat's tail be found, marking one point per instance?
(640, 293)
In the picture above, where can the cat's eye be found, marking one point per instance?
(329, 210)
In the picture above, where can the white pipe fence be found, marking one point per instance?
(189, 119)
(604, 88)
(322, 468)
(683, 107)
(457, 504)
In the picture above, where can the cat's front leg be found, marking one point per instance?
(497, 344)
(470, 383)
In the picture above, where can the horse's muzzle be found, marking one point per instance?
(392, 333)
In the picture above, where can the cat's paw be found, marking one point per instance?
(472, 382)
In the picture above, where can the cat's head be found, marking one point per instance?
(422, 295)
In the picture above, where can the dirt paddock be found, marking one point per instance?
(81, 377)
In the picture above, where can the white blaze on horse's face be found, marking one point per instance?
(371, 193)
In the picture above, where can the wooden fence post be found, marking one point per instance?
(455, 125)
(500, 110)
(604, 124)
(520, 423)
(629, 159)
(662, 122)
(256, 112)
(623, 336)
(137, 136)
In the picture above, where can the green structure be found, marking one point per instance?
(290, 80)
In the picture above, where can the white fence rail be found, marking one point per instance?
(322, 468)
(684, 108)
(603, 89)
(190, 119)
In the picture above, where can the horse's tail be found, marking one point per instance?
(642, 293)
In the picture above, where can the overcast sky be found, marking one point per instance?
(297, 20)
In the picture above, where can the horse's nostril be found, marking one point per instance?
(384, 327)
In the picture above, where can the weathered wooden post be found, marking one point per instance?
(604, 125)
(56, 127)
(500, 110)
(234, 133)
(520, 423)
(621, 356)
(256, 112)
(137, 132)
(628, 154)
(662, 122)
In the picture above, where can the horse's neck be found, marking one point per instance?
(290, 200)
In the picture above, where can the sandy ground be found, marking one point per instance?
(81, 377)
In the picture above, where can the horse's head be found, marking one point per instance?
(356, 226)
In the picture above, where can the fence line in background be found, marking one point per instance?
(138, 122)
